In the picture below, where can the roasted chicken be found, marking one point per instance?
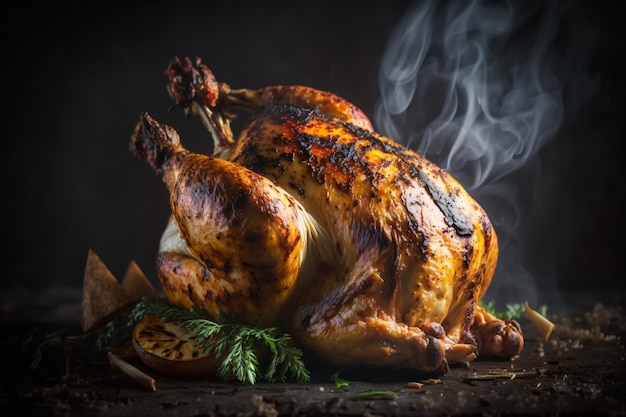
(365, 251)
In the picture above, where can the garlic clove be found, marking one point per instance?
(542, 324)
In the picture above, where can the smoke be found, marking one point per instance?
(478, 88)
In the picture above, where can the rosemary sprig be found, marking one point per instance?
(235, 344)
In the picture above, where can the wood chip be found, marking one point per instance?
(500, 373)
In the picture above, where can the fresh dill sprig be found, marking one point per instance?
(235, 344)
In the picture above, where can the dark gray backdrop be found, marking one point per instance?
(77, 78)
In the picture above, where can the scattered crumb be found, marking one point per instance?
(263, 408)
(592, 324)
(432, 381)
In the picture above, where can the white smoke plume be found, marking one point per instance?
(478, 88)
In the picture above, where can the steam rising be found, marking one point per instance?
(477, 87)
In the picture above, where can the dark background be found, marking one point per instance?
(76, 79)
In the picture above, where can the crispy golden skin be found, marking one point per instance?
(367, 252)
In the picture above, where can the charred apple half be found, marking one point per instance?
(308, 219)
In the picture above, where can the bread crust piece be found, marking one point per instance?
(103, 295)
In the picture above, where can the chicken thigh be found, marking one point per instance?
(365, 251)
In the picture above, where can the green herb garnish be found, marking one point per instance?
(513, 311)
(235, 344)
(119, 330)
(339, 381)
(376, 394)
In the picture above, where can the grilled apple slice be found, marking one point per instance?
(172, 349)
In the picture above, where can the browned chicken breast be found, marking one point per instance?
(365, 251)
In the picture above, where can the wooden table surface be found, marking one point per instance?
(580, 370)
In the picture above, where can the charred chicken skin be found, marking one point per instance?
(365, 251)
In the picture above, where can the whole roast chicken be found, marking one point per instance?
(366, 252)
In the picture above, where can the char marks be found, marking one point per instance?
(452, 214)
